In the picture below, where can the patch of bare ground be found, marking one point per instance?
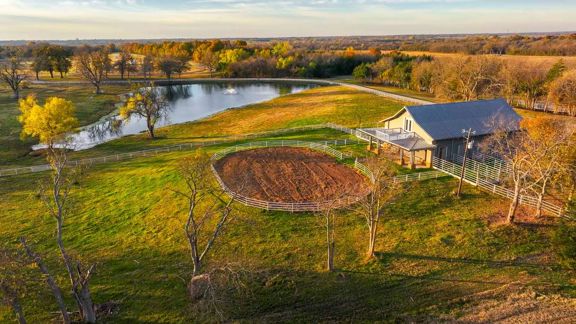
(524, 217)
(289, 174)
(511, 303)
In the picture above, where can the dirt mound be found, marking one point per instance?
(289, 174)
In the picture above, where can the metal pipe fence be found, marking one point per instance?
(472, 177)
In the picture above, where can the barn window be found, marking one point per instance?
(408, 125)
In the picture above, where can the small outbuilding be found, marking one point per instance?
(422, 132)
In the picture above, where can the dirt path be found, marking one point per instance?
(289, 174)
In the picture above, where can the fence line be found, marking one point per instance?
(306, 206)
(472, 176)
(179, 147)
(286, 206)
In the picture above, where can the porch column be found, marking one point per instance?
(401, 157)
(370, 143)
(378, 146)
(412, 160)
(429, 161)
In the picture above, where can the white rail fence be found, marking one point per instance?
(307, 206)
(287, 206)
(181, 147)
(473, 177)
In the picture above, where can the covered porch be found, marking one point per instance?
(405, 148)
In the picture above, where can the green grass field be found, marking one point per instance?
(433, 250)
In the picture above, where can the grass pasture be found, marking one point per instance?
(435, 252)
(570, 61)
(432, 249)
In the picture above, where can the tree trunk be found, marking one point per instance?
(539, 206)
(49, 280)
(513, 206)
(37, 77)
(14, 302)
(98, 90)
(150, 130)
(330, 263)
(61, 75)
(372, 242)
(16, 93)
(51, 74)
(84, 299)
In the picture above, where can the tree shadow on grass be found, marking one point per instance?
(386, 257)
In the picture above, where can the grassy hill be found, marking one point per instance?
(435, 252)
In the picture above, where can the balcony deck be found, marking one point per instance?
(408, 141)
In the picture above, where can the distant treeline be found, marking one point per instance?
(562, 44)
(531, 85)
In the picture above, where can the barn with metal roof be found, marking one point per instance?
(436, 130)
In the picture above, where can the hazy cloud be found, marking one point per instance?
(34, 19)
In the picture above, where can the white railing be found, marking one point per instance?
(322, 146)
(471, 176)
(394, 136)
(308, 206)
(419, 176)
(493, 171)
(311, 206)
(183, 146)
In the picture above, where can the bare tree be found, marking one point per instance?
(522, 153)
(147, 66)
(208, 212)
(123, 63)
(55, 194)
(553, 145)
(210, 60)
(93, 66)
(525, 80)
(56, 290)
(148, 103)
(12, 73)
(383, 191)
(563, 93)
(169, 66)
(470, 78)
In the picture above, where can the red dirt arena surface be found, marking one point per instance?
(289, 174)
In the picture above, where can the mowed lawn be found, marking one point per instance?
(89, 108)
(433, 249)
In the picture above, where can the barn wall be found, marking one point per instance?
(398, 122)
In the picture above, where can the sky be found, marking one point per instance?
(151, 19)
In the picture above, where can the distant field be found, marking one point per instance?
(570, 61)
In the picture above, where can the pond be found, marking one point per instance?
(188, 102)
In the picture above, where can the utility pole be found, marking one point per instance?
(467, 145)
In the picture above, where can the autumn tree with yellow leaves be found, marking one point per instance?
(50, 123)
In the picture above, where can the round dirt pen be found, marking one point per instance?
(290, 176)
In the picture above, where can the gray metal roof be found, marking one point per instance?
(445, 121)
